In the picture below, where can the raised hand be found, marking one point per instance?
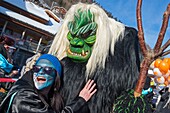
(88, 90)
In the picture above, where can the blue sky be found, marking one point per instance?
(152, 15)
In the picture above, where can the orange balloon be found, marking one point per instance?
(168, 61)
(157, 72)
(166, 75)
(160, 80)
(166, 83)
(164, 67)
(168, 79)
(157, 62)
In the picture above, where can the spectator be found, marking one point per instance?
(7, 69)
(5, 43)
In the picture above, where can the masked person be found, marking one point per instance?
(38, 90)
(92, 45)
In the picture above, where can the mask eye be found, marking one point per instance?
(85, 35)
(48, 70)
(36, 68)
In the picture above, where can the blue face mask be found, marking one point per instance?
(44, 74)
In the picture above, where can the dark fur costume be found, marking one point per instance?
(120, 73)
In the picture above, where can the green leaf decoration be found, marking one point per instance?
(127, 103)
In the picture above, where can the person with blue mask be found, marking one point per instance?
(38, 90)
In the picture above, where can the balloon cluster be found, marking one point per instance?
(160, 69)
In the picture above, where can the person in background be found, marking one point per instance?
(38, 90)
(164, 102)
(5, 44)
(7, 69)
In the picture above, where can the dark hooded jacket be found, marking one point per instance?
(27, 100)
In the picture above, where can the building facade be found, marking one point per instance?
(32, 28)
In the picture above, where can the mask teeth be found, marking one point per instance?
(83, 53)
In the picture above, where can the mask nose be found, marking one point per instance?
(77, 42)
(41, 71)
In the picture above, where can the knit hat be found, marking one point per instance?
(54, 60)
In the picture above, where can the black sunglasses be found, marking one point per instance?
(46, 69)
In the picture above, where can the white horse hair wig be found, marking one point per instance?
(108, 32)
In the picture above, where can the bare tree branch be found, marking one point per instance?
(165, 45)
(142, 76)
(140, 28)
(150, 54)
(163, 29)
(160, 53)
(166, 53)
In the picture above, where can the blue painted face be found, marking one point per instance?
(44, 74)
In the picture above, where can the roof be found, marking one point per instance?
(52, 26)
(29, 7)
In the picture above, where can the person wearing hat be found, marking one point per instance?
(38, 90)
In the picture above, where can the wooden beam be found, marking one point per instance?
(25, 25)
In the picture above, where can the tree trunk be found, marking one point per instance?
(142, 76)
